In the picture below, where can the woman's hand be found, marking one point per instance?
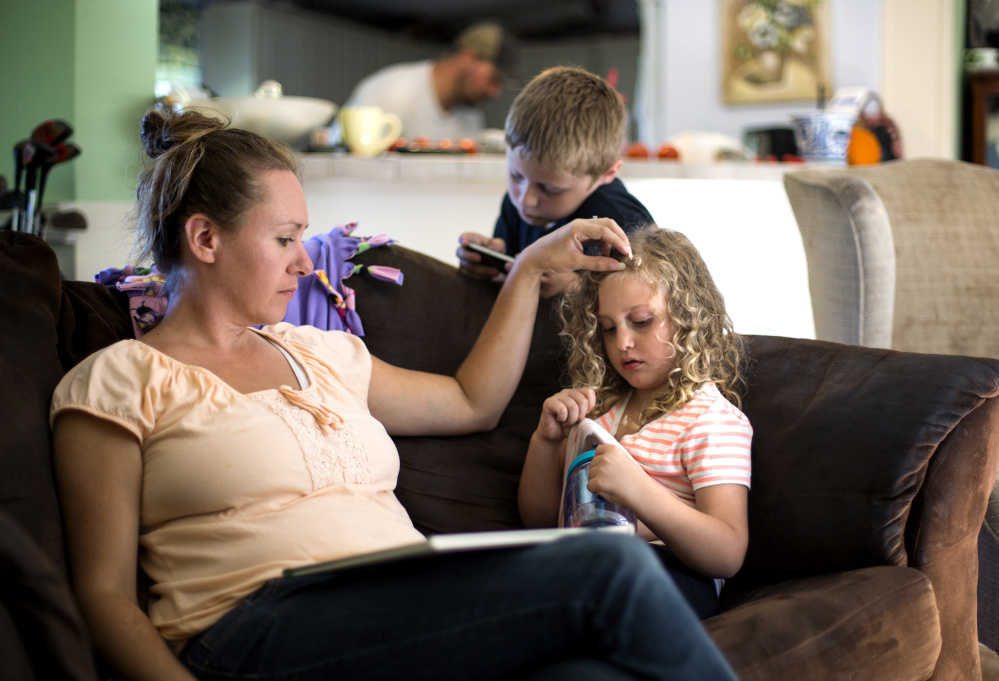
(564, 410)
(616, 476)
(562, 250)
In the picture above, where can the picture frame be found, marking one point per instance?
(775, 51)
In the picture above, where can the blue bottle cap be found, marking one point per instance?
(581, 460)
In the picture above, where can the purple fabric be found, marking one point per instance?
(144, 288)
(312, 304)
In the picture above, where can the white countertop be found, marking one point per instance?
(416, 167)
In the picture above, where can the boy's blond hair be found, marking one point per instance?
(569, 120)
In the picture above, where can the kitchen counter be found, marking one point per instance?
(417, 167)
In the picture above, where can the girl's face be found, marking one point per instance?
(636, 329)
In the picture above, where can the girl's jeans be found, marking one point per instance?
(597, 606)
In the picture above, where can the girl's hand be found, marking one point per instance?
(616, 476)
(564, 410)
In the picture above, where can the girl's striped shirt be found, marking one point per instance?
(705, 442)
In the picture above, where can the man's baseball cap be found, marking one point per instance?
(491, 42)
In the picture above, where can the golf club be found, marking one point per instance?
(62, 152)
(42, 154)
(51, 132)
(21, 149)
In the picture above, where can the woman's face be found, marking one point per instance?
(635, 327)
(260, 263)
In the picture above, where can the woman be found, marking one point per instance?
(228, 454)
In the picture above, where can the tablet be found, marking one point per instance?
(443, 543)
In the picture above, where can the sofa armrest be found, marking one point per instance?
(866, 457)
(943, 528)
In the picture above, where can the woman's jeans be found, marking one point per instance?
(598, 606)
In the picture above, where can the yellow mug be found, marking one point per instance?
(367, 130)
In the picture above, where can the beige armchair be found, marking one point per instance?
(905, 255)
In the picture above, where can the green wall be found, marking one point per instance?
(92, 63)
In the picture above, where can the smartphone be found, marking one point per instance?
(490, 257)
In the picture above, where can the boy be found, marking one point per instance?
(564, 134)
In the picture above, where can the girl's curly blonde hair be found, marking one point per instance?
(705, 346)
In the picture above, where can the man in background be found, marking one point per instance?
(442, 98)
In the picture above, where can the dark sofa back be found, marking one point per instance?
(465, 483)
(842, 443)
(47, 326)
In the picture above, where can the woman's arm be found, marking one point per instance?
(98, 469)
(416, 403)
(711, 539)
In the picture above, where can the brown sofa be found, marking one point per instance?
(872, 470)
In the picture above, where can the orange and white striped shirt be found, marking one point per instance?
(706, 442)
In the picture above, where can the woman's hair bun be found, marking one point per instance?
(161, 131)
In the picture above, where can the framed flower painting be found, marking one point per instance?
(775, 51)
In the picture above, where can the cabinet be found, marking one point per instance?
(982, 118)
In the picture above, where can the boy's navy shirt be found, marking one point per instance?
(610, 200)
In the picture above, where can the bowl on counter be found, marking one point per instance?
(822, 136)
(285, 119)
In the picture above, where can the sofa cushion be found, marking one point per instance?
(47, 328)
(466, 483)
(41, 631)
(30, 367)
(842, 439)
(874, 623)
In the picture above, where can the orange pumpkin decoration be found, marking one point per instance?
(864, 148)
(636, 150)
(668, 151)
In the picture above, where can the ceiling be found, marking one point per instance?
(443, 19)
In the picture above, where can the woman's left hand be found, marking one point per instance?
(615, 476)
(562, 250)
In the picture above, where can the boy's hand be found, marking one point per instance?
(564, 410)
(471, 262)
(616, 476)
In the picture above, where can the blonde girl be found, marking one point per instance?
(653, 359)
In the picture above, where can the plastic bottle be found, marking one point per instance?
(583, 508)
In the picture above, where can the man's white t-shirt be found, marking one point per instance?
(407, 90)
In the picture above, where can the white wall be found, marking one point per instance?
(691, 75)
(921, 74)
(765, 289)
